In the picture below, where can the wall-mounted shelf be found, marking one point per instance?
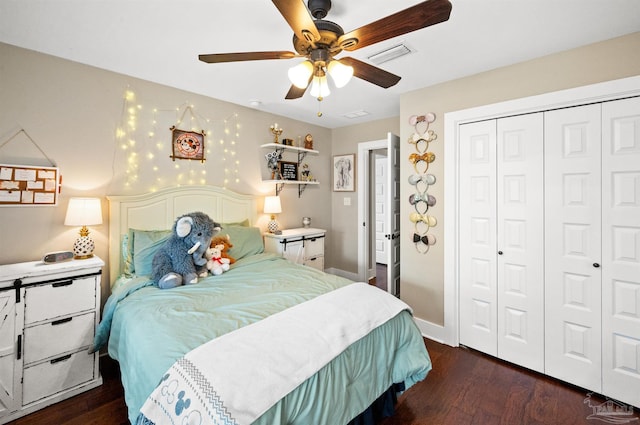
(301, 154)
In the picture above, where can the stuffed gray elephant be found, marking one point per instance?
(177, 262)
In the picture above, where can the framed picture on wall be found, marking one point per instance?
(344, 173)
(187, 144)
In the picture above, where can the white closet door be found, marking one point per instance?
(621, 243)
(478, 293)
(520, 242)
(573, 245)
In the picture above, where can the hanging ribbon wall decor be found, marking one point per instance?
(421, 200)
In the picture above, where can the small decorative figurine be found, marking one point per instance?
(308, 141)
(276, 132)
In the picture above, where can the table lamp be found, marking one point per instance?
(83, 212)
(272, 206)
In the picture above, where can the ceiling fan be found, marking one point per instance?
(320, 40)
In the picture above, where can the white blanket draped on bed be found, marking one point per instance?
(235, 378)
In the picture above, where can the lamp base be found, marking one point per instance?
(83, 248)
(272, 226)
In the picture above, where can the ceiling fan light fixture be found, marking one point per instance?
(299, 75)
(340, 73)
(320, 87)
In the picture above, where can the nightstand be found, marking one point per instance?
(302, 246)
(51, 312)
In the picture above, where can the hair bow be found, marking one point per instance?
(423, 242)
(417, 157)
(421, 142)
(426, 157)
(417, 238)
(428, 179)
(424, 197)
(428, 117)
(429, 220)
(427, 239)
(425, 120)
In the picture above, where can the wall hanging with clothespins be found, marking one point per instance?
(25, 185)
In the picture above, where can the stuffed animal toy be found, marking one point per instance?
(215, 263)
(177, 262)
(226, 241)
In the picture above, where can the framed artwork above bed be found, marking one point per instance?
(187, 144)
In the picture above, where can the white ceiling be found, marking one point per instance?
(159, 41)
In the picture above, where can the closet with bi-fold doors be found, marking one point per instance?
(549, 242)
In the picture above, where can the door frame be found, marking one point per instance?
(364, 168)
(599, 92)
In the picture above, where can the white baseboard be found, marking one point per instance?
(342, 273)
(431, 330)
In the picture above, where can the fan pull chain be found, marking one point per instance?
(319, 106)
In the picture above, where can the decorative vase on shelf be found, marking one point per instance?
(306, 222)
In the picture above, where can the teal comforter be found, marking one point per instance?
(149, 329)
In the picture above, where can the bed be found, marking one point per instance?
(267, 342)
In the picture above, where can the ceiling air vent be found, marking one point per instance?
(390, 53)
(356, 114)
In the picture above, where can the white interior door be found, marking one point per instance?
(573, 245)
(621, 243)
(393, 215)
(520, 240)
(478, 319)
(392, 201)
(380, 198)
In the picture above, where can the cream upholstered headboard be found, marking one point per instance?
(158, 211)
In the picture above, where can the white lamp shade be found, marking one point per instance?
(340, 73)
(299, 75)
(83, 212)
(272, 205)
(320, 87)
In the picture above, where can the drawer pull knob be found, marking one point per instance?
(61, 321)
(60, 359)
(65, 283)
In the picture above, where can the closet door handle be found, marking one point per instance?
(499, 252)
(596, 265)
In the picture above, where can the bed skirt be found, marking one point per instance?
(383, 407)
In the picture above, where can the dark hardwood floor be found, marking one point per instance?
(464, 387)
(380, 279)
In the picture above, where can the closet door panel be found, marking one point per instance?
(621, 242)
(478, 309)
(573, 245)
(520, 240)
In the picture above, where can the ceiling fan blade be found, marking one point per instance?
(371, 73)
(299, 19)
(246, 56)
(295, 92)
(422, 15)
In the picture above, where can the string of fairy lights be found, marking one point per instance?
(143, 140)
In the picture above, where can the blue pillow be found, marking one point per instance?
(246, 241)
(141, 248)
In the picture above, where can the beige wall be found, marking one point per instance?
(72, 112)
(422, 275)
